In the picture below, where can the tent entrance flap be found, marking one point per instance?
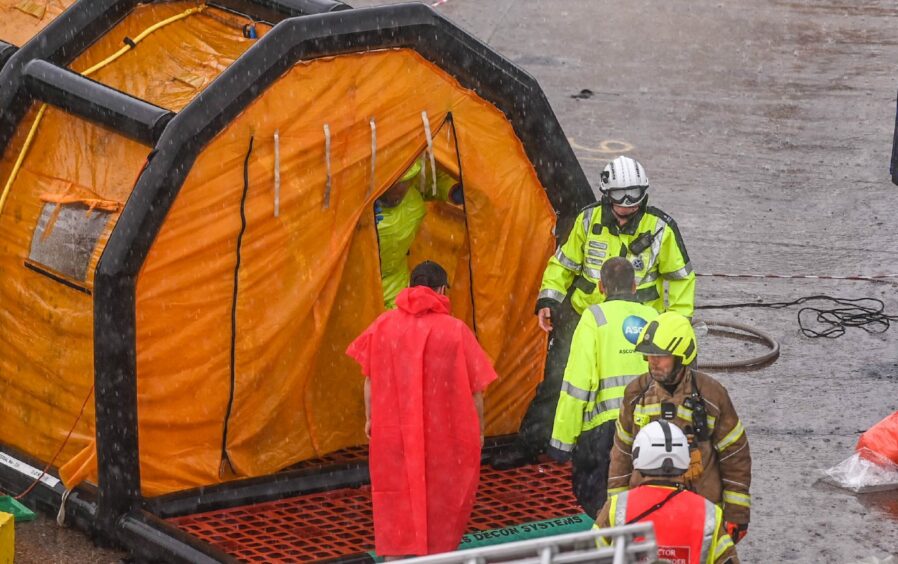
(422, 216)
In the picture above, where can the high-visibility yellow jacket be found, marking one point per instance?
(650, 241)
(602, 362)
(398, 226)
(395, 234)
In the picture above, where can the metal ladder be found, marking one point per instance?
(630, 543)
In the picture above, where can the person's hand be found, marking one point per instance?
(545, 319)
(368, 428)
(737, 531)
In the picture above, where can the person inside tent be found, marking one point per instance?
(688, 527)
(425, 376)
(399, 213)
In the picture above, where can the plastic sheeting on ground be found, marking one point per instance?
(864, 471)
(874, 467)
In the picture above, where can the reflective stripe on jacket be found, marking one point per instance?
(688, 527)
(726, 459)
(596, 237)
(602, 362)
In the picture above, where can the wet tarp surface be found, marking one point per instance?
(308, 281)
(22, 19)
(66, 198)
(243, 386)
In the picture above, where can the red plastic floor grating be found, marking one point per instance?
(338, 523)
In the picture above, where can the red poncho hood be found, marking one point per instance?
(419, 300)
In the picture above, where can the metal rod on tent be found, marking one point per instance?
(277, 172)
(433, 164)
(373, 156)
(327, 162)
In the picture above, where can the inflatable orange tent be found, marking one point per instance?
(187, 236)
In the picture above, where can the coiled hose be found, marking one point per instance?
(741, 332)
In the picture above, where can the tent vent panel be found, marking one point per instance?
(65, 242)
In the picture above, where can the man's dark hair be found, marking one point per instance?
(618, 276)
(429, 274)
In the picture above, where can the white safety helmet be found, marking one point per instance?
(624, 182)
(661, 449)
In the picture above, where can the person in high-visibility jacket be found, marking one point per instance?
(720, 468)
(621, 224)
(603, 361)
(399, 213)
(688, 527)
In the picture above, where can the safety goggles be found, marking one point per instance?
(630, 196)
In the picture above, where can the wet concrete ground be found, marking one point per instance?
(766, 129)
(42, 541)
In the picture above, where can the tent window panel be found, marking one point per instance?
(65, 238)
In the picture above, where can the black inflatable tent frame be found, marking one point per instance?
(305, 29)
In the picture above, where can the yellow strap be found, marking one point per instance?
(143, 35)
(21, 157)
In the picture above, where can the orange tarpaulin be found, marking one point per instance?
(309, 279)
(22, 19)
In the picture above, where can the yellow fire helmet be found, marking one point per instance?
(669, 334)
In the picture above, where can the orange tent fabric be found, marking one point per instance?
(46, 355)
(309, 279)
(22, 19)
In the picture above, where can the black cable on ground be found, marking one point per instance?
(865, 313)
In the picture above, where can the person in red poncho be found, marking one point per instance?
(425, 376)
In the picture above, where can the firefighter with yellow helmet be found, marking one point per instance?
(720, 460)
(621, 224)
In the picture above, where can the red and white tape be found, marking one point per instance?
(439, 3)
(873, 278)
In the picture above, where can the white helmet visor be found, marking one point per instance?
(628, 197)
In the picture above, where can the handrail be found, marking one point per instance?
(627, 543)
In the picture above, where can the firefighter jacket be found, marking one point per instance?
(688, 527)
(602, 362)
(725, 458)
(650, 241)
